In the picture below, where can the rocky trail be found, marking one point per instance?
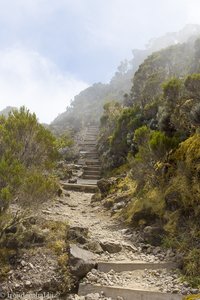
(110, 261)
(114, 264)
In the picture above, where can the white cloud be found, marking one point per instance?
(27, 78)
(193, 11)
(84, 37)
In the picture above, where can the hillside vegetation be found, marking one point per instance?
(87, 107)
(28, 158)
(150, 152)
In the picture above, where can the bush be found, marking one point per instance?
(195, 115)
(171, 89)
(192, 84)
(36, 188)
(27, 155)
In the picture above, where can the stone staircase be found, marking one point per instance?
(128, 293)
(90, 163)
(88, 184)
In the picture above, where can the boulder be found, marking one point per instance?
(153, 234)
(104, 185)
(72, 180)
(94, 246)
(119, 205)
(81, 261)
(111, 247)
(78, 234)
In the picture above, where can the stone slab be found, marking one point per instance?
(131, 266)
(127, 294)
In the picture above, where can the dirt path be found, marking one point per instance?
(76, 208)
(78, 211)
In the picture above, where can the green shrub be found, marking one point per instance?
(37, 188)
(27, 156)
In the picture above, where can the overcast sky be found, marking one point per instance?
(52, 49)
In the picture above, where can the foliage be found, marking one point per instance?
(171, 89)
(155, 142)
(57, 241)
(145, 208)
(37, 188)
(157, 68)
(27, 155)
(112, 111)
(129, 120)
(192, 84)
(195, 115)
(192, 297)
(64, 140)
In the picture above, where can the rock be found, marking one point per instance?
(125, 231)
(129, 247)
(59, 192)
(72, 180)
(78, 234)
(27, 283)
(104, 185)
(156, 250)
(111, 247)
(194, 291)
(92, 277)
(153, 234)
(67, 194)
(81, 261)
(23, 263)
(95, 296)
(119, 205)
(94, 246)
(31, 265)
(170, 253)
(108, 203)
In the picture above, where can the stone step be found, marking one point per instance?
(90, 140)
(91, 135)
(86, 149)
(88, 153)
(81, 161)
(91, 177)
(88, 144)
(91, 168)
(131, 266)
(93, 162)
(126, 293)
(96, 129)
(87, 188)
(91, 151)
(91, 156)
(87, 181)
(92, 172)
